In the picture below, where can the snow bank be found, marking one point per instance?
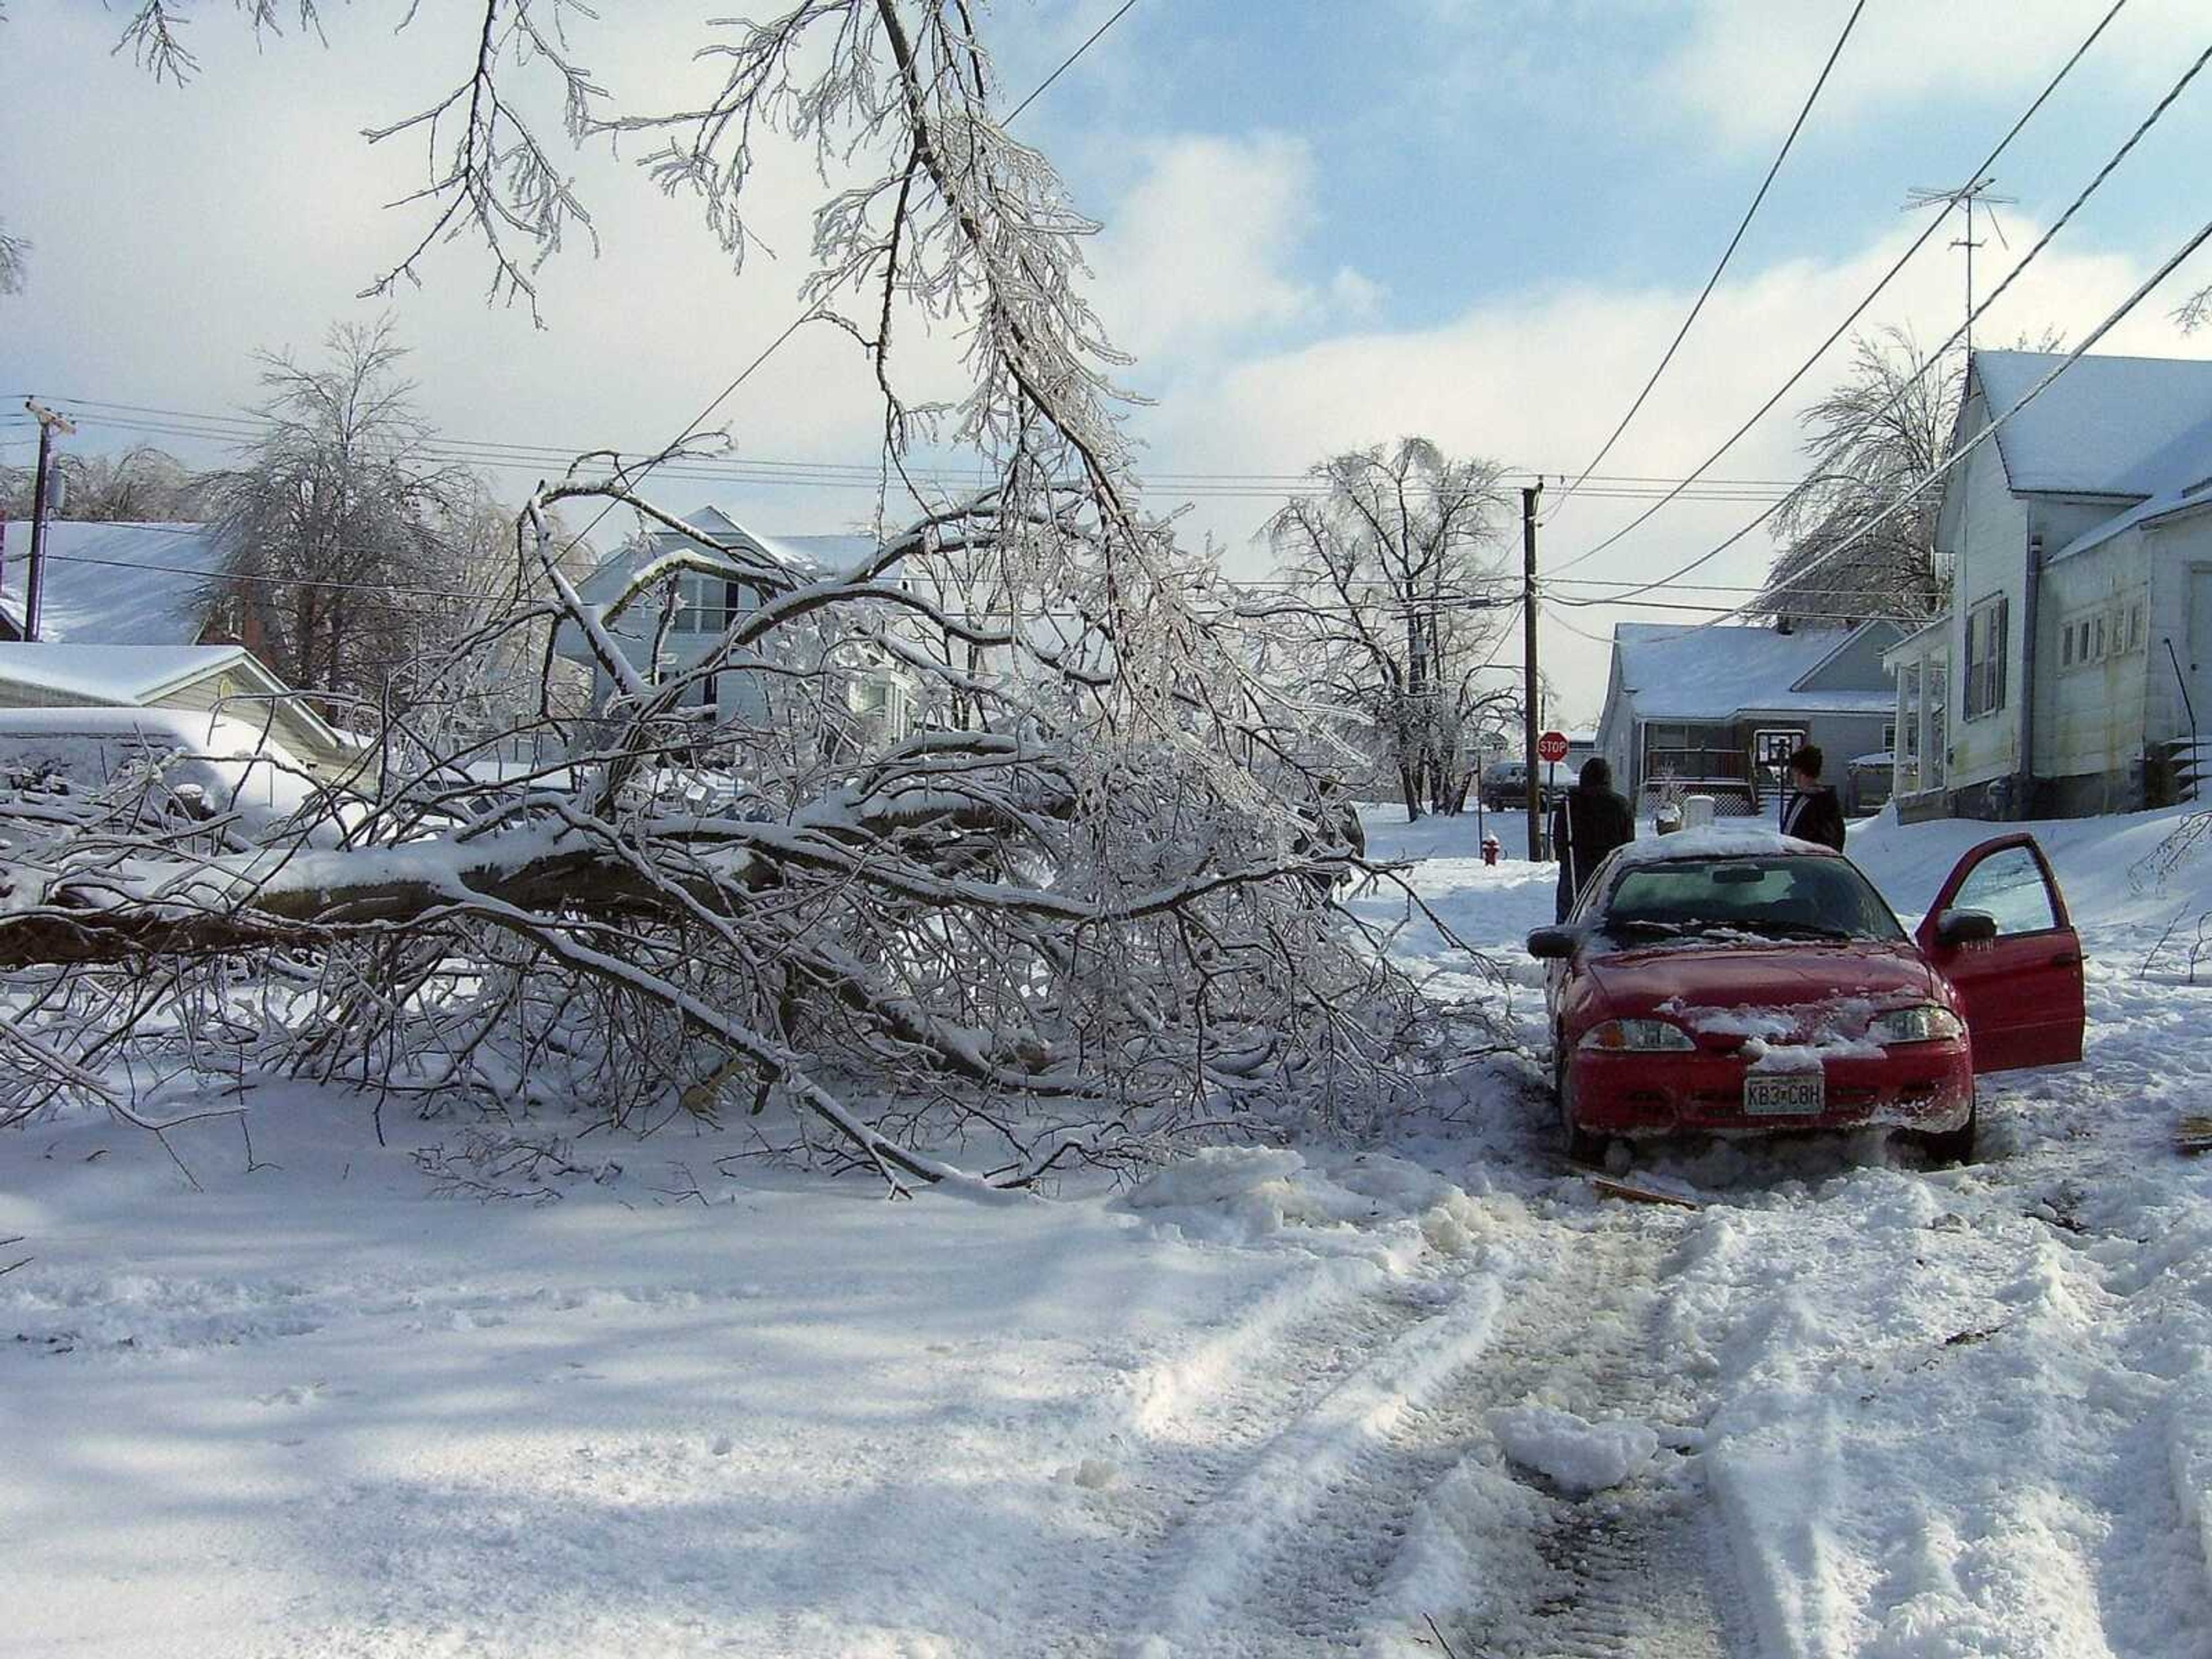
(1241, 1194)
(2101, 862)
(1574, 1454)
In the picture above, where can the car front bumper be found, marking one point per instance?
(1927, 1086)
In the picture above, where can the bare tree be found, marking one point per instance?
(1083, 920)
(1875, 439)
(335, 566)
(1393, 590)
(14, 262)
(143, 485)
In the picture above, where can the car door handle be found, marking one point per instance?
(2066, 959)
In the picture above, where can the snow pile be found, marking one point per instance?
(1243, 1194)
(1574, 1454)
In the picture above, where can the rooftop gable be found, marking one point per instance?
(1684, 671)
(803, 557)
(2106, 426)
(113, 674)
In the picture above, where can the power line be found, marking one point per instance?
(1989, 432)
(1858, 310)
(1325, 606)
(1728, 253)
(2142, 292)
(519, 455)
(2103, 174)
(1043, 86)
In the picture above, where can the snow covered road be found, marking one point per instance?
(1270, 1404)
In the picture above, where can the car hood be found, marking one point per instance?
(1792, 975)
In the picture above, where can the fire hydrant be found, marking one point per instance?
(1489, 849)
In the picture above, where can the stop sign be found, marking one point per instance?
(1551, 747)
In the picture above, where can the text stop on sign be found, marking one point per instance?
(1551, 747)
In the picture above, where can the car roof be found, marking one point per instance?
(1717, 841)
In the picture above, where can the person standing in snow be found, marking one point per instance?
(1588, 822)
(1812, 812)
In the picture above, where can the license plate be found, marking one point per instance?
(1789, 1094)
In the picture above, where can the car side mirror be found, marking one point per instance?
(1552, 944)
(1957, 928)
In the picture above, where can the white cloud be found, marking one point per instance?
(1199, 252)
(1354, 294)
(1747, 68)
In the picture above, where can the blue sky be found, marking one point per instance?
(1325, 225)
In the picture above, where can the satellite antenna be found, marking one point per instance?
(1964, 195)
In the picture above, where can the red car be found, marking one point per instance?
(1728, 981)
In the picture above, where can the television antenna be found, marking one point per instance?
(1967, 196)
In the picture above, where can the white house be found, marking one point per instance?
(216, 680)
(2073, 673)
(699, 592)
(121, 625)
(1715, 709)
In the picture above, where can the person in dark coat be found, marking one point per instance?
(1588, 822)
(1812, 812)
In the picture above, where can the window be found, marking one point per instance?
(2135, 626)
(1785, 897)
(2009, 886)
(1988, 635)
(2098, 653)
(2066, 646)
(706, 605)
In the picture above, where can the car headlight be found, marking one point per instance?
(1926, 1024)
(1622, 1036)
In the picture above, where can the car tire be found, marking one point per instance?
(1949, 1146)
(1580, 1144)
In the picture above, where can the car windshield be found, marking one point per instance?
(1782, 897)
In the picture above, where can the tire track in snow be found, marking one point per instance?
(1202, 1418)
(1385, 1498)
(1287, 1556)
(1639, 1568)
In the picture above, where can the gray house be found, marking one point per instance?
(1715, 710)
(2073, 673)
(668, 599)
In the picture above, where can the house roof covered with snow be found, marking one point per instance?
(2107, 426)
(1684, 672)
(2171, 504)
(113, 584)
(805, 556)
(120, 673)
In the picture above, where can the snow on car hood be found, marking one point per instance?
(1784, 1009)
(1802, 986)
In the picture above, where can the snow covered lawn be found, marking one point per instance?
(1272, 1403)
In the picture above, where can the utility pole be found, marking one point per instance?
(1530, 715)
(35, 579)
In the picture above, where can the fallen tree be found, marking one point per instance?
(1076, 907)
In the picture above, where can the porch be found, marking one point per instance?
(1920, 666)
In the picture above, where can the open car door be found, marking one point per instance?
(2021, 991)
